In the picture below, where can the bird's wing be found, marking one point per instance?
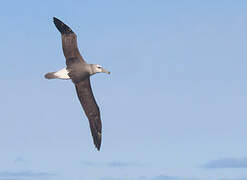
(91, 109)
(69, 41)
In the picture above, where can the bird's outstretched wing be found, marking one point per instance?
(69, 41)
(91, 109)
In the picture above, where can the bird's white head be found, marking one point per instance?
(98, 69)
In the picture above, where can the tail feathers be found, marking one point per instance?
(50, 75)
(63, 28)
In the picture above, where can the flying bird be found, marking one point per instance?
(79, 71)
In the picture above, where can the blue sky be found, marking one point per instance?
(173, 107)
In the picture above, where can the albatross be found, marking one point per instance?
(79, 71)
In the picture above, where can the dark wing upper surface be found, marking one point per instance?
(85, 95)
(69, 41)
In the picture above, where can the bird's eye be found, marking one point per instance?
(99, 67)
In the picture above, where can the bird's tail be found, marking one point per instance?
(63, 28)
(50, 75)
(61, 74)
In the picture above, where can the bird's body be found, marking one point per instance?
(79, 72)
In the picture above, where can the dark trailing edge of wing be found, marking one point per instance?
(63, 28)
(91, 109)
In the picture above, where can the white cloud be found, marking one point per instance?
(161, 177)
(24, 174)
(227, 163)
(113, 164)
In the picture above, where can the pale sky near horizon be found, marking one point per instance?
(173, 108)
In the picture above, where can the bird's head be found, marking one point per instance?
(98, 69)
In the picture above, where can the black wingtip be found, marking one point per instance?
(63, 28)
(97, 141)
(98, 148)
